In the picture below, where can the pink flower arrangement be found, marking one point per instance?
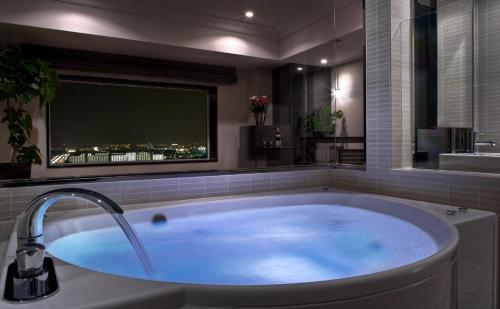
(259, 104)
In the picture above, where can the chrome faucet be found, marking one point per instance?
(32, 275)
(476, 142)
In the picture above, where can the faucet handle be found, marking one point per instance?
(30, 258)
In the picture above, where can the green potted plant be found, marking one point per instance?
(322, 121)
(23, 80)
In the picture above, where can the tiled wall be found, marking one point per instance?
(488, 71)
(13, 200)
(454, 188)
(455, 63)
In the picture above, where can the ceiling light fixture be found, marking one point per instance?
(300, 69)
(249, 14)
(324, 61)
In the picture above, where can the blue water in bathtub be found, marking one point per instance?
(275, 245)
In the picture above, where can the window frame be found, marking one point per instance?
(211, 119)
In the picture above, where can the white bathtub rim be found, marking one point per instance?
(298, 293)
(322, 291)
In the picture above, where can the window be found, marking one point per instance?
(106, 121)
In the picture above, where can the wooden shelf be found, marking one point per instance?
(338, 139)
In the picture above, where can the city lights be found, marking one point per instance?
(117, 153)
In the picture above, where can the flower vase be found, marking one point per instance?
(260, 118)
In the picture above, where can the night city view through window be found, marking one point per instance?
(104, 123)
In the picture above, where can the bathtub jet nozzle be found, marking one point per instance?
(159, 219)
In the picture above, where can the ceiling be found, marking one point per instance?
(281, 17)
(276, 18)
(348, 48)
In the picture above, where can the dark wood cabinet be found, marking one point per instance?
(258, 147)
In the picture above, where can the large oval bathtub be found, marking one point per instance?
(329, 250)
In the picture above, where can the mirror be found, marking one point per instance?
(287, 78)
(443, 83)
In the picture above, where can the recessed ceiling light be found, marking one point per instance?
(324, 61)
(249, 14)
(300, 69)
